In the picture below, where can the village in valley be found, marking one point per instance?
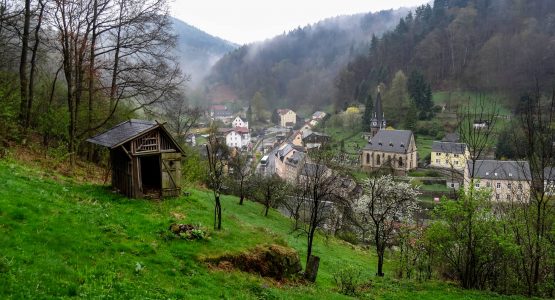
(399, 149)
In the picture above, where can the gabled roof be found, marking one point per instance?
(451, 137)
(502, 170)
(448, 147)
(127, 131)
(123, 132)
(396, 141)
(283, 111)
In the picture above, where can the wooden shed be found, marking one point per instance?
(145, 159)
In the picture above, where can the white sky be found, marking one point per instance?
(245, 21)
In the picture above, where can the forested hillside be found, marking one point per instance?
(300, 67)
(478, 45)
(198, 51)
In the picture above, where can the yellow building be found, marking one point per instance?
(288, 118)
(449, 155)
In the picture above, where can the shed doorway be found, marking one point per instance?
(151, 179)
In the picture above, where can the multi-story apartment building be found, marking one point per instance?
(449, 155)
(509, 181)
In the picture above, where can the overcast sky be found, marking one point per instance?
(245, 21)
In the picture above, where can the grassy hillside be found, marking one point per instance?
(60, 239)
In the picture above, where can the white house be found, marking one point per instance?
(238, 122)
(237, 137)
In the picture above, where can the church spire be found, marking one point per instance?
(378, 119)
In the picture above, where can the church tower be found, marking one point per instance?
(378, 119)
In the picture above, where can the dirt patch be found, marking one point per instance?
(272, 261)
(178, 216)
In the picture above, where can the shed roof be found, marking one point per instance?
(123, 132)
(396, 141)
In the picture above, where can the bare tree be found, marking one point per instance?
(242, 172)
(122, 47)
(218, 155)
(533, 222)
(181, 117)
(269, 190)
(319, 190)
(383, 207)
(476, 124)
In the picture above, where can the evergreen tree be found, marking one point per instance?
(249, 114)
(420, 93)
(412, 117)
(276, 119)
(367, 117)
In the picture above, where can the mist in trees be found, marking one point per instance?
(94, 61)
(472, 45)
(299, 67)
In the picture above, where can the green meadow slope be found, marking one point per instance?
(61, 239)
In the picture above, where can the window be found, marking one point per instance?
(508, 196)
(367, 158)
(498, 185)
(456, 155)
(452, 185)
(509, 185)
(456, 162)
(520, 186)
(477, 185)
(437, 161)
(496, 196)
(488, 184)
(438, 153)
(378, 159)
(400, 161)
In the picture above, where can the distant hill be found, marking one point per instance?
(299, 67)
(198, 51)
(488, 46)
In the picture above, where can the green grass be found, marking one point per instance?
(60, 239)
(462, 98)
(423, 146)
(435, 188)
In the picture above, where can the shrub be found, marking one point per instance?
(347, 280)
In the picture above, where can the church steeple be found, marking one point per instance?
(378, 118)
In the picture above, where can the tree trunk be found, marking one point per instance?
(33, 67)
(242, 194)
(312, 266)
(218, 214)
(380, 252)
(23, 79)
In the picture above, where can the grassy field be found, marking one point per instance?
(61, 239)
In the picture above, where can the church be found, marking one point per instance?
(389, 150)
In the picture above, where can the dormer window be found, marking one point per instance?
(510, 174)
(390, 144)
(402, 145)
(380, 143)
(487, 173)
(495, 173)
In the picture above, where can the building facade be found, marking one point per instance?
(288, 118)
(390, 149)
(238, 122)
(448, 155)
(237, 137)
(509, 181)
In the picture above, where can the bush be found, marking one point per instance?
(347, 279)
